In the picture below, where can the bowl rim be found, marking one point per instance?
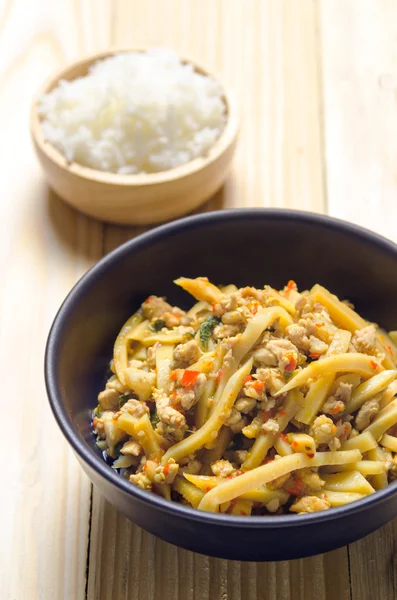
(225, 140)
(99, 465)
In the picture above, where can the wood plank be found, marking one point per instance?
(128, 563)
(359, 51)
(268, 53)
(44, 248)
(373, 565)
(278, 163)
(265, 52)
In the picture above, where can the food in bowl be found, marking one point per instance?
(253, 402)
(135, 112)
(352, 262)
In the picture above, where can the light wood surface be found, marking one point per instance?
(317, 84)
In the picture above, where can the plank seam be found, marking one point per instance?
(87, 566)
(349, 571)
(321, 101)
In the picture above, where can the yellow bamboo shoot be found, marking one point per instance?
(370, 388)
(253, 479)
(365, 365)
(120, 352)
(209, 431)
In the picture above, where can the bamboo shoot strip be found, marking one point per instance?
(365, 365)
(209, 431)
(256, 477)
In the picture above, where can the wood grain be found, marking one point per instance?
(44, 247)
(359, 63)
(266, 53)
(316, 81)
(359, 54)
(137, 566)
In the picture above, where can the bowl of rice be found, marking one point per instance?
(134, 136)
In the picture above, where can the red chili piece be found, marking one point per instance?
(258, 386)
(189, 378)
(291, 366)
(297, 487)
(290, 285)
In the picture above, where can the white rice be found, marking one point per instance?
(134, 113)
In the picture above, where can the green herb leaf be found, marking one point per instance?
(154, 419)
(123, 398)
(206, 329)
(289, 374)
(117, 449)
(98, 411)
(157, 325)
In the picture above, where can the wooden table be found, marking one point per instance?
(317, 84)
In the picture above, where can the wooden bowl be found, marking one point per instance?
(134, 199)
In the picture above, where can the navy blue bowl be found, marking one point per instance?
(245, 247)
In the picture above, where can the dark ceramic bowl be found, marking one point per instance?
(242, 247)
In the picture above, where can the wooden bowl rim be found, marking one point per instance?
(226, 138)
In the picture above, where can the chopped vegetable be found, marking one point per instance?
(206, 329)
(291, 285)
(123, 398)
(154, 419)
(336, 409)
(295, 487)
(258, 386)
(291, 365)
(97, 411)
(157, 325)
(189, 378)
(117, 449)
(289, 374)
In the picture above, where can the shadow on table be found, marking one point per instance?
(128, 563)
(91, 238)
(114, 235)
(81, 236)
